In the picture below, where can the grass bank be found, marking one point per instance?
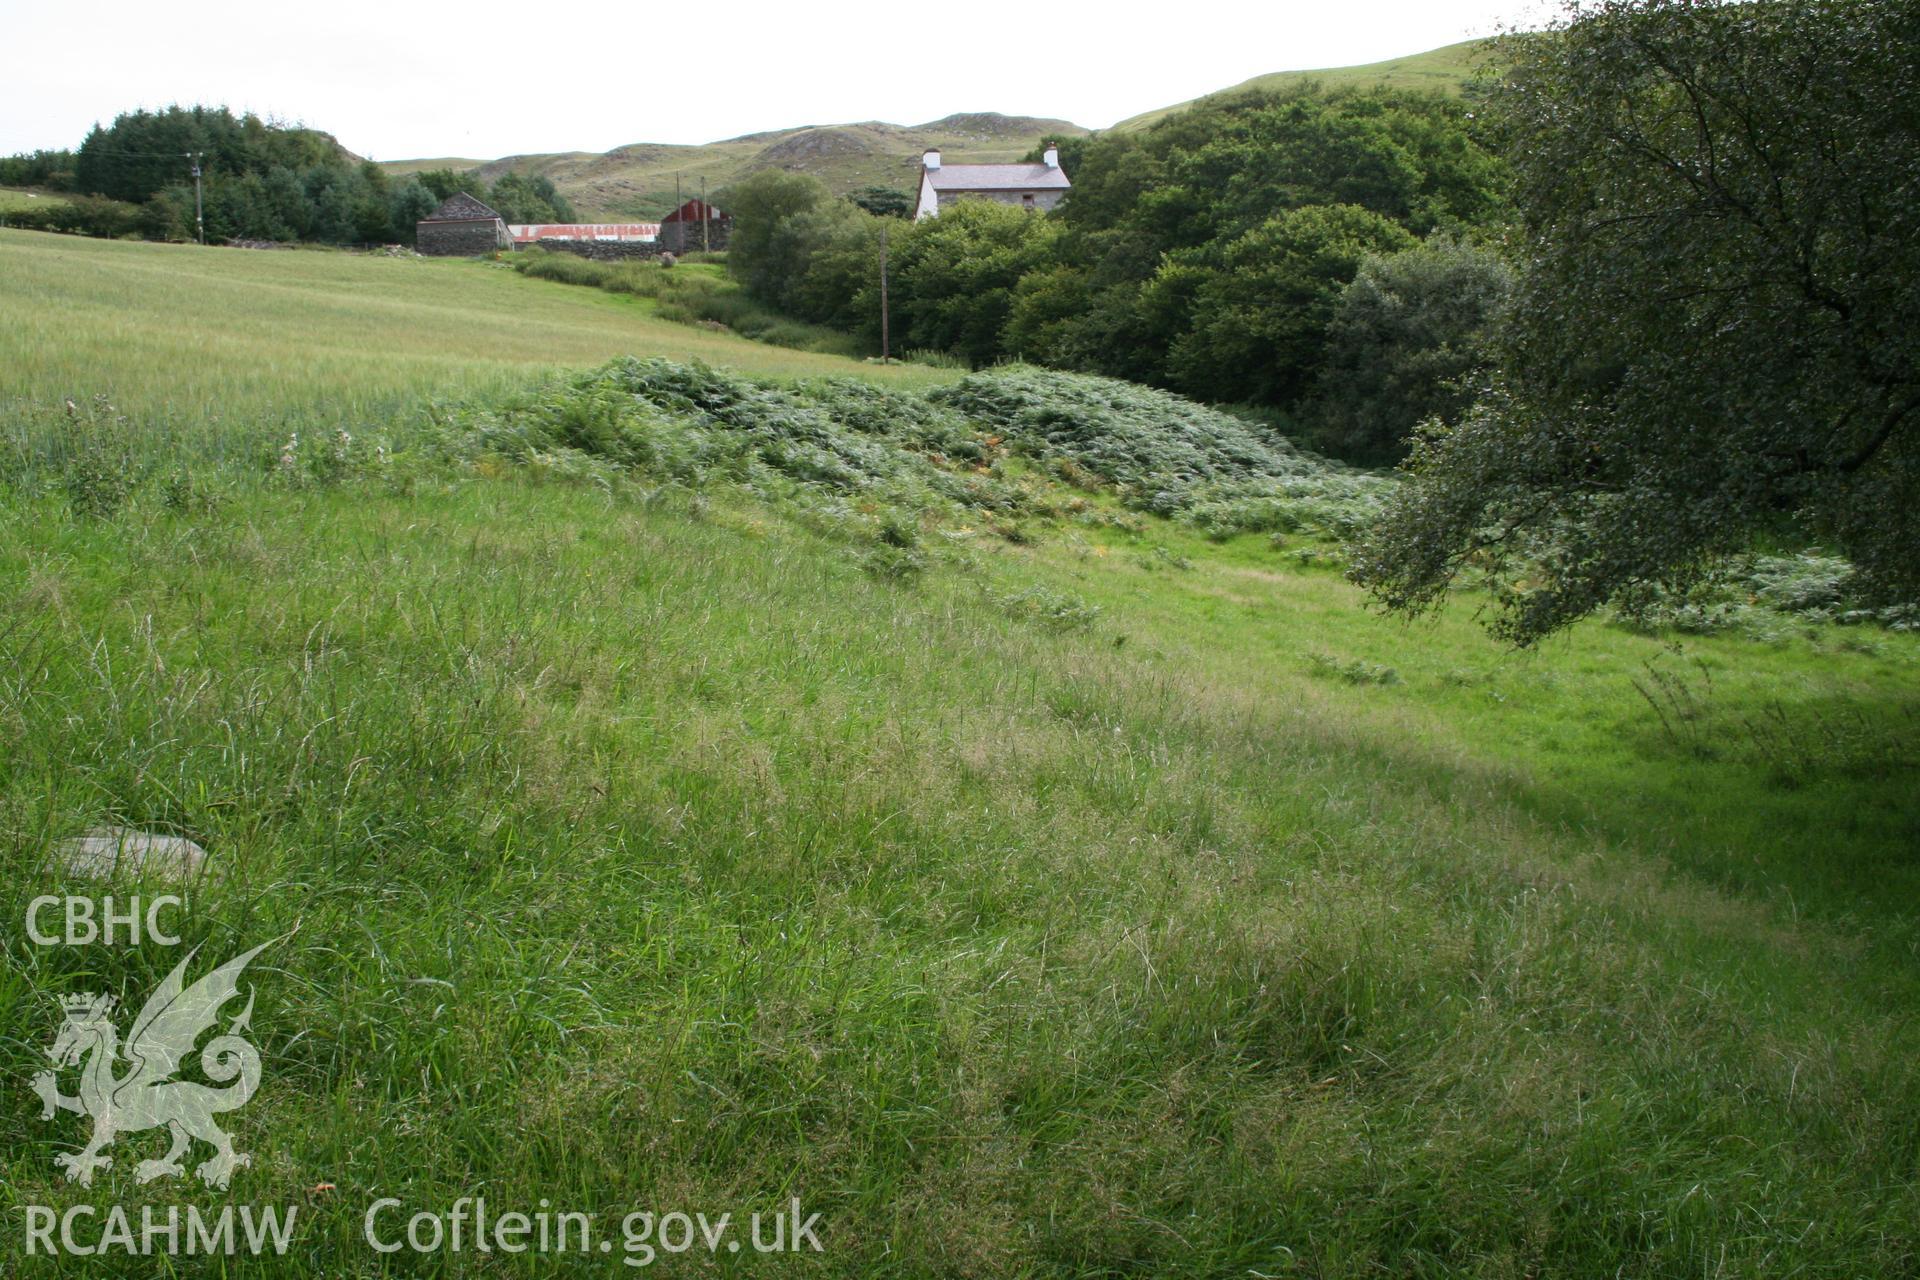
(695, 293)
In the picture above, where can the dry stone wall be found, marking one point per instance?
(605, 250)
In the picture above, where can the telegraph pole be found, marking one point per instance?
(885, 344)
(199, 207)
(706, 215)
(681, 227)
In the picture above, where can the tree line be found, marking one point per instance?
(260, 180)
(1238, 252)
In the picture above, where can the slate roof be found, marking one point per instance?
(998, 177)
(460, 207)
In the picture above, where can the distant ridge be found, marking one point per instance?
(640, 180)
(1444, 70)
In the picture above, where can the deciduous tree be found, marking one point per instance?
(1714, 330)
(1257, 321)
(1406, 340)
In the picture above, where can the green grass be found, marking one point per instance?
(696, 293)
(38, 199)
(1092, 904)
(1443, 70)
(12, 198)
(226, 345)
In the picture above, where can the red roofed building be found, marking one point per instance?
(696, 225)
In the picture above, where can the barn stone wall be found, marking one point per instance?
(605, 250)
(684, 237)
(463, 239)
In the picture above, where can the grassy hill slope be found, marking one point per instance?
(679, 793)
(638, 180)
(1446, 70)
(321, 336)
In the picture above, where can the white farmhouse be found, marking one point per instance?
(1032, 186)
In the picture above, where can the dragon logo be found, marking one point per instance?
(145, 1095)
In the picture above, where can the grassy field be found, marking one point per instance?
(231, 347)
(12, 198)
(696, 293)
(1103, 900)
(1443, 70)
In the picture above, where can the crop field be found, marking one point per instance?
(976, 807)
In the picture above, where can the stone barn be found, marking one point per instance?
(695, 225)
(461, 227)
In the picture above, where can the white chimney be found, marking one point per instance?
(931, 159)
(1052, 156)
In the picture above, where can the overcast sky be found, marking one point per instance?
(400, 80)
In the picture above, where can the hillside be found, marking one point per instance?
(672, 789)
(1446, 69)
(638, 180)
